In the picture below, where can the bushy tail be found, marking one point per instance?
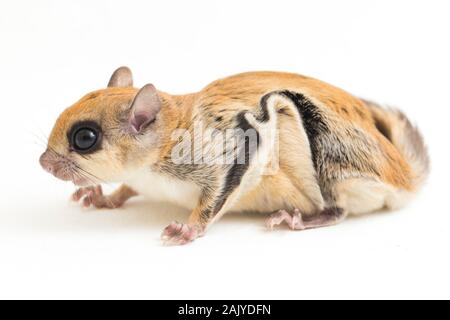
(405, 137)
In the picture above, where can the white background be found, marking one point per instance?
(52, 52)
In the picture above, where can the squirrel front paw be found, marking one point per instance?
(93, 196)
(180, 234)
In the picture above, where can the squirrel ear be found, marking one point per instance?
(144, 108)
(122, 78)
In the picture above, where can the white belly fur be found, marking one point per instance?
(162, 188)
(359, 196)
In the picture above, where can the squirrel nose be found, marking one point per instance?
(46, 163)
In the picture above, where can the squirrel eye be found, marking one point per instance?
(84, 139)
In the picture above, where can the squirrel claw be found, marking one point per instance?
(179, 234)
(93, 196)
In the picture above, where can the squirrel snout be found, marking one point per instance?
(46, 163)
(56, 165)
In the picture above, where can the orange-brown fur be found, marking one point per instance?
(249, 87)
(294, 186)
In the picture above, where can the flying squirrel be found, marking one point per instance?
(303, 152)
